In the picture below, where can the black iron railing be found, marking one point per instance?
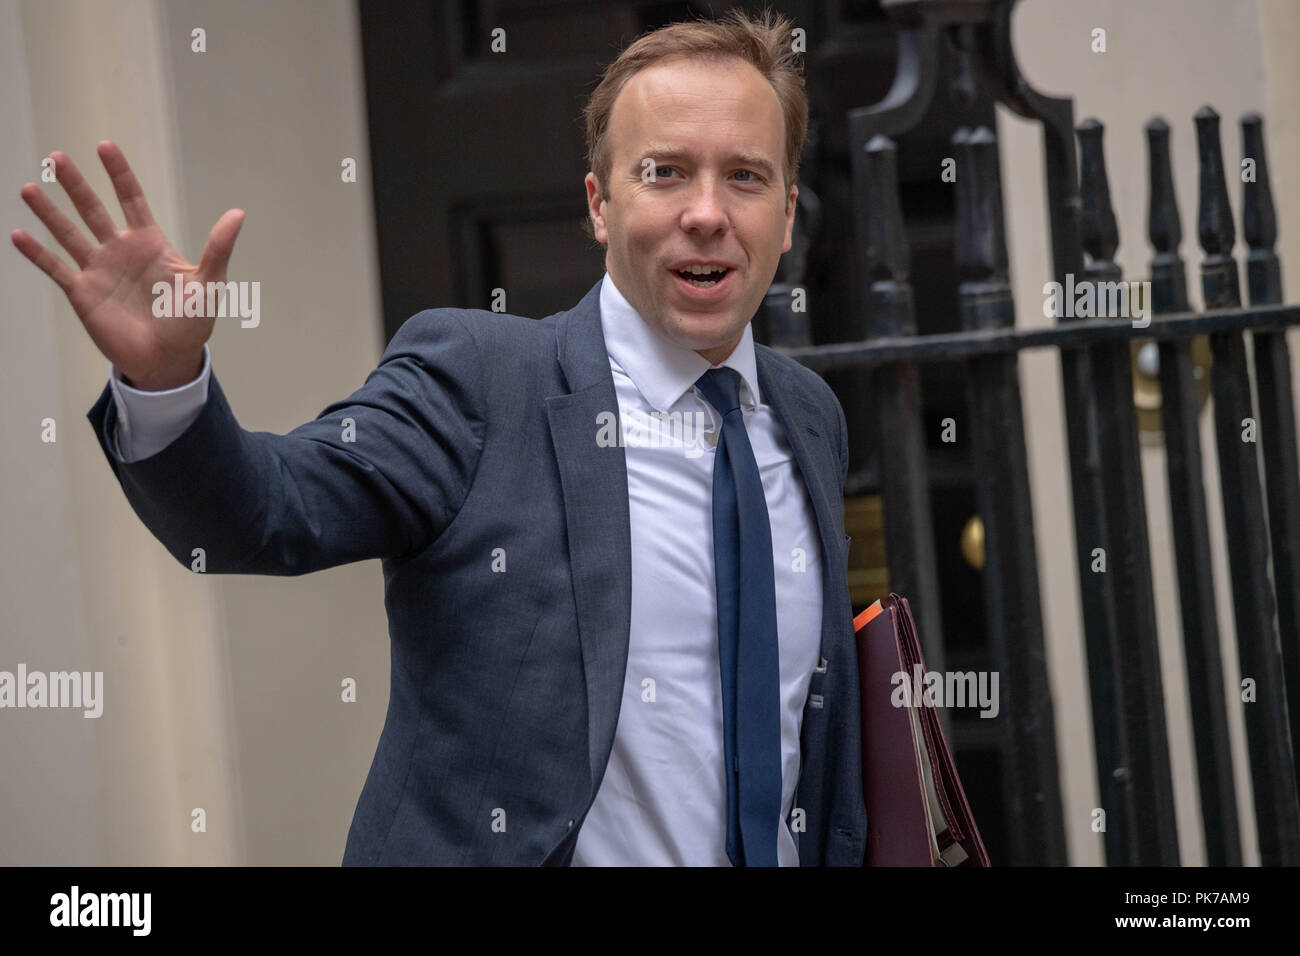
(1261, 509)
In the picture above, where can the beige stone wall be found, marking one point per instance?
(220, 692)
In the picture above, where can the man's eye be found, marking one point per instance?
(663, 172)
(752, 176)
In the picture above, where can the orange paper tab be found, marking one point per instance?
(866, 617)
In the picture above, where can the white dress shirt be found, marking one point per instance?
(663, 798)
(147, 422)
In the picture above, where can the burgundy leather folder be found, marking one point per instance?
(917, 814)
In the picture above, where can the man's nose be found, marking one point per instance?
(706, 210)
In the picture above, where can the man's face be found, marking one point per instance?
(710, 138)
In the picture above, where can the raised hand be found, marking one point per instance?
(113, 293)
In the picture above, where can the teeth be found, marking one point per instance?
(702, 270)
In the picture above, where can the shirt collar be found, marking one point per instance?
(662, 370)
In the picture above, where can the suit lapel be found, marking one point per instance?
(594, 483)
(820, 777)
(796, 412)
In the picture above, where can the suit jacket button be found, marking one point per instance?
(570, 825)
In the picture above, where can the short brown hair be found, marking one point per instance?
(765, 42)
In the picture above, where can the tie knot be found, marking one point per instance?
(721, 386)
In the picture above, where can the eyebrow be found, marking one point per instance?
(661, 151)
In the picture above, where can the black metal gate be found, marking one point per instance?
(1261, 506)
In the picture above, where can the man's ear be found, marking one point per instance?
(790, 206)
(596, 208)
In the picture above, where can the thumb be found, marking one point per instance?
(221, 242)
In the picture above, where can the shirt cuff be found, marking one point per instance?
(147, 422)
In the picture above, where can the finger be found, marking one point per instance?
(46, 261)
(83, 197)
(128, 190)
(220, 244)
(60, 226)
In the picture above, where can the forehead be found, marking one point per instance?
(720, 100)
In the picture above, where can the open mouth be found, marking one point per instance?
(703, 277)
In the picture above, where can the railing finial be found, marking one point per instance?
(1258, 215)
(981, 237)
(1164, 225)
(886, 255)
(1098, 229)
(1214, 215)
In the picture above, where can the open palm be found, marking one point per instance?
(112, 294)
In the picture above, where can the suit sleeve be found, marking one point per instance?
(378, 474)
(844, 442)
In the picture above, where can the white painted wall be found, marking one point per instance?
(221, 692)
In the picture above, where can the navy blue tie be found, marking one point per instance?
(747, 637)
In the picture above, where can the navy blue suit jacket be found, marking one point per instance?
(477, 432)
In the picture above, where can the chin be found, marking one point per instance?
(699, 336)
